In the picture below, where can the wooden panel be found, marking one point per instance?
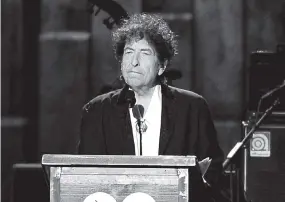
(55, 174)
(160, 183)
(165, 178)
(111, 171)
(122, 160)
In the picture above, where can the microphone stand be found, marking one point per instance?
(131, 100)
(140, 132)
(239, 145)
(232, 155)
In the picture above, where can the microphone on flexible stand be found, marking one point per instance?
(276, 91)
(138, 112)
(136, 109)
(130, 98)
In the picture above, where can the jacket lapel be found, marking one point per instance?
(167, 117)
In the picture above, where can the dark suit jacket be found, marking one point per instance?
(186, 127)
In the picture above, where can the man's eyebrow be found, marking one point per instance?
(149, 50)
(129, 48)
(142, 49)
(146, 49)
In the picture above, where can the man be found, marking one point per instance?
(173, 121)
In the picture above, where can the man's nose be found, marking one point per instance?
(135, 60)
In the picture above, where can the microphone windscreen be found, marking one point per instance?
(138, 111)
(130, 98)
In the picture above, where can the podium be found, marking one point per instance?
(84, 178)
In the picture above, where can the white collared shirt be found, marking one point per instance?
(152, 118)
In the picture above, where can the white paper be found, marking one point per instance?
(204, 165)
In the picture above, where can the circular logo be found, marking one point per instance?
(99, 197)
(259, 142)
(139, 197)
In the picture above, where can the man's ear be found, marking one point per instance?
(162, 67)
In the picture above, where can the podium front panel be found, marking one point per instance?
(103, 178)
(75, 184)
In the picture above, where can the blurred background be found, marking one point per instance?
(56, 56)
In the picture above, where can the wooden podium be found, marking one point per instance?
(73, 178)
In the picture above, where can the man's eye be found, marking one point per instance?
(146, 52)
(128, 51)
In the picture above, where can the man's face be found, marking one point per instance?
(140, 65)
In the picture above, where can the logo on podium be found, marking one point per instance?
(104, 197)
(260, 144)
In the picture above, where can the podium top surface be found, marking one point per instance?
(61, 160)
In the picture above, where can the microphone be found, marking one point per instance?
(130, 98)
(275, 91)
(138, 111)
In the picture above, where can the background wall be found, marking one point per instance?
(56, 56)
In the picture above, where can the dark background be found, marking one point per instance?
(56, 56)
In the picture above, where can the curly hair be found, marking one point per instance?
(149, 26)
